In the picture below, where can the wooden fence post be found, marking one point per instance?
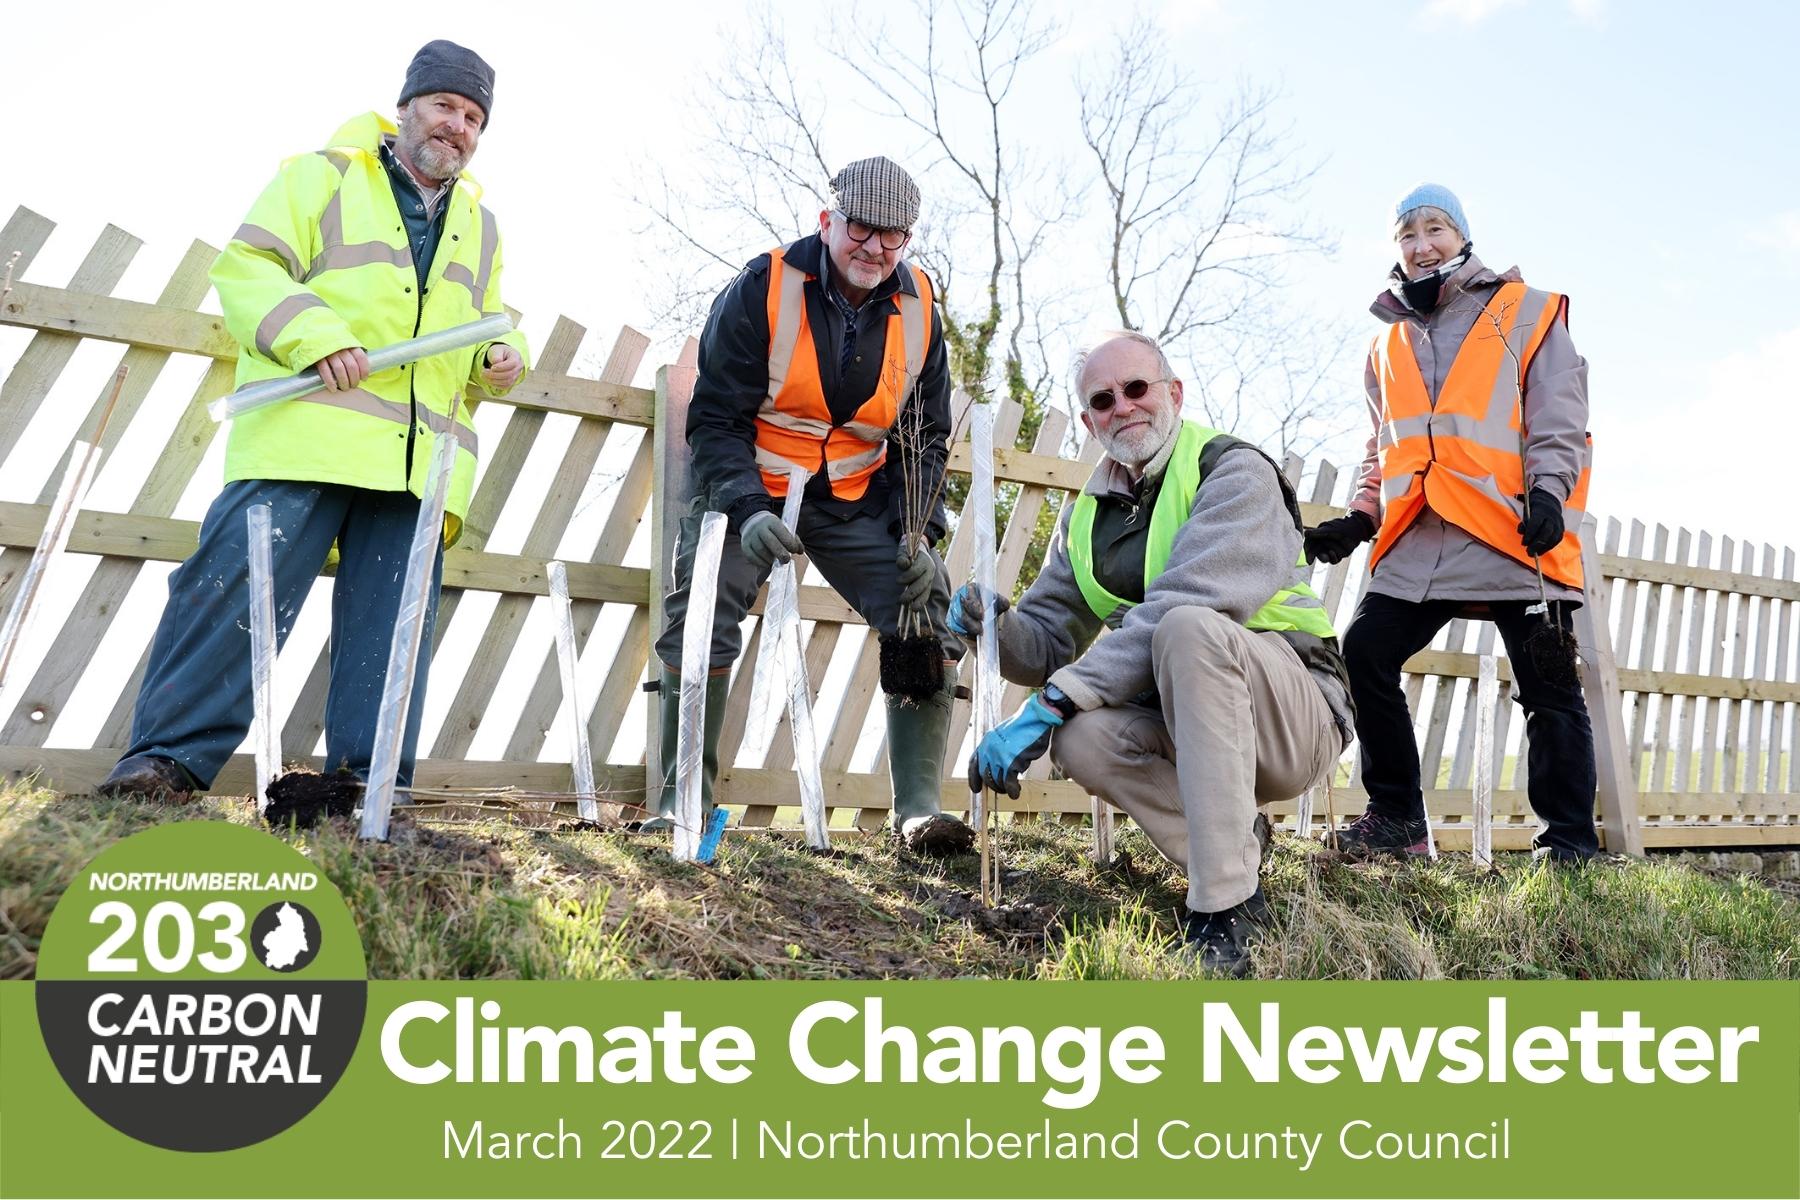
(669, 475)
(1615, 762)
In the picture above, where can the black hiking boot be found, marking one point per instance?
(1220, 942)
(1375, 833)
(147, 777)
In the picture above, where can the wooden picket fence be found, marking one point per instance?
(1692, 676)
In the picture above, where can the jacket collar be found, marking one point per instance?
(1472, 276)
(362, 134)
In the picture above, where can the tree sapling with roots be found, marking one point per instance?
(912, 663)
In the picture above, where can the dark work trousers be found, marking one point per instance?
(1387, 632)
(856, 557)
(195, 705)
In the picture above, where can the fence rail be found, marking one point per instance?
(1690, 640)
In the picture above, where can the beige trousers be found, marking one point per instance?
(1241, 723)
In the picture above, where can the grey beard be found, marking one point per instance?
(436, 163)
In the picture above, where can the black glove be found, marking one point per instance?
(1543, 529)
(1338, 538)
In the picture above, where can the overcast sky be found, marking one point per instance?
(1638, 157)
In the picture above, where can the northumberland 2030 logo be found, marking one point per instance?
(201, 986)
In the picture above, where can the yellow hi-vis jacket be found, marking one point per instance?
(322, 263)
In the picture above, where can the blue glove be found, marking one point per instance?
(1012, 746)
(968, 614)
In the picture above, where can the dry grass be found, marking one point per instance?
(488, 898)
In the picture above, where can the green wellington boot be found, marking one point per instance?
(717, 687)
(916, 733)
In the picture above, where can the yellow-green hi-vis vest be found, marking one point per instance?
(1292, 609)
(321, 263)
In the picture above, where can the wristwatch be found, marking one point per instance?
(1058, 702)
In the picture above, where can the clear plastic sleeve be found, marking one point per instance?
(403, 652)
(253, 396)
(782, 665)
(1487, 693)
(988, 684)
(265, 735)
(581, 758)
(57, 526)
(696, 657)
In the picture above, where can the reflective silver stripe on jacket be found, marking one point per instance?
(337, 256)
(784, 338)
(839, 468)
(279, 318)
(370, 405)
(476, 281)
(258, 238)
(913, 323)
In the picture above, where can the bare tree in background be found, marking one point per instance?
(762, 180)
(1282, 379)
(1201, 233)
(992, 207)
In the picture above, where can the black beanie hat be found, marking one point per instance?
(444, 66)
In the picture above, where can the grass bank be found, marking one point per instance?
(458, 898)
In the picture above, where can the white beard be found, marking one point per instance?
(1135, 447)
(865, 275)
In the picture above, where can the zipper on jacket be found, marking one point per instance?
(412, 381)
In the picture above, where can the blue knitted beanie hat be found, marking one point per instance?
(1433, 195)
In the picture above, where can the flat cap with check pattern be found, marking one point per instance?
(877, 193)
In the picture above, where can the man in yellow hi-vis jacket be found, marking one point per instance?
(377, 238)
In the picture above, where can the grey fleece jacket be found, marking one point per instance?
(1238, 548)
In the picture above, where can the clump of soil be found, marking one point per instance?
(912, 668)
(304, 798)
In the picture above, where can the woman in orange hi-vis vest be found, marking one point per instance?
(1476, 475)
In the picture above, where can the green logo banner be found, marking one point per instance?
(201, 1027)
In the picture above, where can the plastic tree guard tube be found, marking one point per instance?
(581, 758)
(403, 652)
(1487, 691)
(780, 664)
(696, 659)
(57, 526)
(988, 684)
(253, 396)
(265, 736)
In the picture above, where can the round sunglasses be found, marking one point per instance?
(1136, 389)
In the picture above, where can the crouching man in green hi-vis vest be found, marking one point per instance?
(1219, 686)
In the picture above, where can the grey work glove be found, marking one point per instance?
(767, 541)
(916, 570)
(968, 611)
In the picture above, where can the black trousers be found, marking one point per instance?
(1561, 784)
(855, 555)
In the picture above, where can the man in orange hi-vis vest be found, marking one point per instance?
(809, 359)
(1475, 477)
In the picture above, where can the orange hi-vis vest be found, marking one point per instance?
(794, 426)
(1462, 456)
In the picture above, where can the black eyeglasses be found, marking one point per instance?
(891, 239)
(1137, 389)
